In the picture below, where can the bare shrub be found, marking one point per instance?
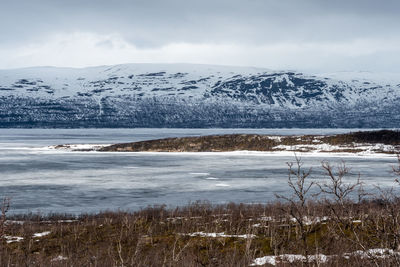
(5, 206)
(298, 207)
(348, 219)
(337, 188)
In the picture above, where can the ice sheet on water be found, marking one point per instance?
(61, 181)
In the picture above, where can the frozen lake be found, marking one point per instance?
(39, 179)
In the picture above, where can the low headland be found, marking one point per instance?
(363, 142)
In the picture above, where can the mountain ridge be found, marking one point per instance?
(201, 96)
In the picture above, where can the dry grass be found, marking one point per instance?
(157, 236)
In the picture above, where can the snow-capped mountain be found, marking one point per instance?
(186, 95)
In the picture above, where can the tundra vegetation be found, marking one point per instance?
(331, 223)
(383, 141)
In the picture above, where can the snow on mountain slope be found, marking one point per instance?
(187, 95)
(152, 79)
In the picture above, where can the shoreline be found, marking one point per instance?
(384, 142)
(231, 153)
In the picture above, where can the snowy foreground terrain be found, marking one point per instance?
(184, 95)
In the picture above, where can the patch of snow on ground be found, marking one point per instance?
(11, 239)
(291, 258)
(59, 258)
(321, 258)
(316, 148)
(366, 148)
(41, 234)
(202, 234)
(276, 138)
(74, 147)
(264, 260)
(266, 218)
(13, 222)
(66, 221)
(373, 253)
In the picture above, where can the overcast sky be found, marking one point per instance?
(316, 35)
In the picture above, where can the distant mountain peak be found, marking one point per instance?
(190, 95)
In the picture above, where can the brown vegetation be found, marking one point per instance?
(387, 137)
(252, 142)
(212, 143)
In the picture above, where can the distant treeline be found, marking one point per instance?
(171, 112)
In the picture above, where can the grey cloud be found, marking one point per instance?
(313, 34)
(158, 22)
